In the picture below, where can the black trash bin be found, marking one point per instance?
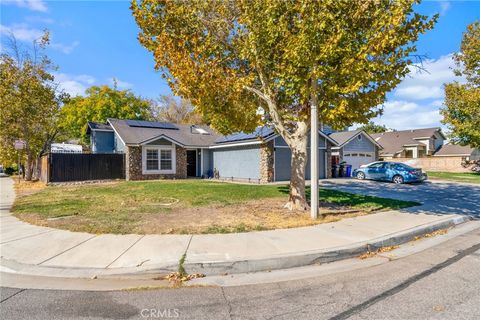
(334, 171)
(341, 171)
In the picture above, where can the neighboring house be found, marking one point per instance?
(417, 143)
(65, 148)
(156, 150)
(455, 150)
(101, 137)
(355, 148)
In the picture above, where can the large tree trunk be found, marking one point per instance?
(29, 166)
(298, 146)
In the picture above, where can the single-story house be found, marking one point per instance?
(455, 150)
(354, 147)
(156, 150)
(415, 143)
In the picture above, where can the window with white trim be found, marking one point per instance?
(158, 159)
(165, 159)
(151, 159)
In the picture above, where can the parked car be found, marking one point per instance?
(390, 171)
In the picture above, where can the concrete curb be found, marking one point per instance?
(298, 259)
(301, 259)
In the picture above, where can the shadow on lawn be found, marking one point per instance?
(355, 200)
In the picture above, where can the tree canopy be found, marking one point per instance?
(174, 109)
(232, 57)
(461, 112)
(99, 104)
(372, 127)
(29, 102)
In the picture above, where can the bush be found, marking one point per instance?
(11, 170)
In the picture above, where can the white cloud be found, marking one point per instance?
(74, 84)
(21, 31)
(427, 82)
(401, 115)
(444, 6)
(120, 84)
(67, 49)
(34, 5)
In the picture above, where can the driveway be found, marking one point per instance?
(436, 197)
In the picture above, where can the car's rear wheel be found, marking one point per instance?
(397, 179)
(360, 176)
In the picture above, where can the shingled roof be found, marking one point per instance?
(184, 135)
(454, 150)
(395, 141)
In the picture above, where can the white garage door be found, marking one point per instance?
(356, 159)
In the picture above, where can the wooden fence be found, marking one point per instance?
(64, 167)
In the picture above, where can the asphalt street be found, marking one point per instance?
(437, 197)
(442, 282)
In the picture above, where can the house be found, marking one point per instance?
(454, 150)
(416, 143)
(355, 148)
(101, 137)
(65, 148)
(156, 150)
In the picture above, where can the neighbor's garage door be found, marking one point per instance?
(357, 159)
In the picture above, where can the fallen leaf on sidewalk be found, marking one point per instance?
(370, 254)
(178, 277)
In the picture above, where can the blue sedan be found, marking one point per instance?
(390, 171)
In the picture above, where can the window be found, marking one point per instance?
(165, 159)
(152, 159)
(359, 137)
(158, 159)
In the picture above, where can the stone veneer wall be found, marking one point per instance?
(266, 162)
(329, 159)
(133, 165)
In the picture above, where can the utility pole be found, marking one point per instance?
(314, 153)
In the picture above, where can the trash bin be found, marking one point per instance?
(334, 171)
(348, 170)
(341, 171)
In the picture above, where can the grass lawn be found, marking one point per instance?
(470, 177)
(182, 206)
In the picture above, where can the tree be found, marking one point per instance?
(175, 110)
(230, 57)
(29, 102)
(99, 104)
(372, 127)
(461, 112)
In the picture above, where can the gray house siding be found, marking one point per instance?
(207, 162)
(280, 142)
(282, 163)
(363, 144)
(160, 142)
(119, 146)
(237, 162)
(102, 141)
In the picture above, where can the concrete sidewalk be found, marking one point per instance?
(35, 250)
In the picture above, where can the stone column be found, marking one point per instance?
(266, 162)
(181, 162)
(329, 158)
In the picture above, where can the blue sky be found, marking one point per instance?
(95, 41)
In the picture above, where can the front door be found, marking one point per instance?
(191, 163)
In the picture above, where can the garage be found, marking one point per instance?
(356, 159)
(355, 148)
